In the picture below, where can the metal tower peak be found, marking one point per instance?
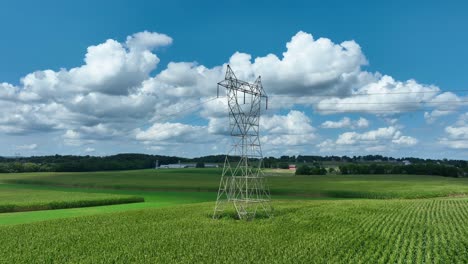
(230, 74)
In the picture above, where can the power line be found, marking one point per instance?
(366, 94)
(418, 109)
(402, 111)
(398, 103)
(362, 94)
(391, 103)
(337, 110)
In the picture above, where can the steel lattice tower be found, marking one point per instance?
(242, 182)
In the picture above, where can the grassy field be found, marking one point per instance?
(349, 231)
(342, 186)
(19, 199)
(174, 223)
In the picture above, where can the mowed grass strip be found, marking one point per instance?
(23, 199)
(339, 186)
(346, 231)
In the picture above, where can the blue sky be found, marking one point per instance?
(421, 41)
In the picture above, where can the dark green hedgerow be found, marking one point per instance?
(33, 206)
(19, 199)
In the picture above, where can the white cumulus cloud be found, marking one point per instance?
(293, 129)
(27, 147)
(384, 138)
(112, 96)
(457, 134)
(346, 122)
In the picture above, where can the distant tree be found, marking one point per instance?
(317, 171)
(30, 167)
(303, 170)
(200, 165)
(283, 165)
(310, 170)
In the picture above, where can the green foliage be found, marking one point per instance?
(11, 167)
(316, 169)
(303, 170)
(60, 163)
(414, 169)
(200, 164)
(283, 165)
(416, 231)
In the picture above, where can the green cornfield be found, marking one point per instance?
(336, 231)
(207, 180)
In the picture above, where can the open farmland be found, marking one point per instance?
(349, 231)
(341, 186)
(315, 221)
(256, 132)
(169, 179)
(14, 199)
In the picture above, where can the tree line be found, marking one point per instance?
(413, 169)
(370, 164)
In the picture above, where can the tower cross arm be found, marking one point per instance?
(243, 87)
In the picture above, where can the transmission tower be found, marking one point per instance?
(242, 182)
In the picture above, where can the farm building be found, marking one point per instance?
(187, 165)
(406, 162)
(178, 166)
